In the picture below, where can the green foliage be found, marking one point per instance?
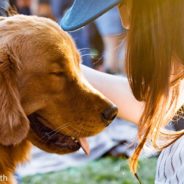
(103, 171)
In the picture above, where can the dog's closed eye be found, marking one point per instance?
(57, 70)
(58, 74)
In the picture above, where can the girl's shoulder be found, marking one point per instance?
(170, 164)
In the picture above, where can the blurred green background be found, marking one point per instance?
(106, 170)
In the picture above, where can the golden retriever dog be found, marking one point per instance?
(44, 98)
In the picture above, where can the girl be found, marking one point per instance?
(152, 95)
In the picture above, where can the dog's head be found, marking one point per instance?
(41, 79)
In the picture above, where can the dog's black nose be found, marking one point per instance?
(109, 114)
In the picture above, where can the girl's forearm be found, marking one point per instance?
(117, 89)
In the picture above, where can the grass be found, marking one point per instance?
(103, 171)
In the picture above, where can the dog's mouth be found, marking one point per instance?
(54, 138)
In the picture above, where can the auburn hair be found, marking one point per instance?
(154, 41)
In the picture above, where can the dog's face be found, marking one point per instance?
(61, 106)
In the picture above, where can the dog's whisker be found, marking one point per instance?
(48, 134)
(54, 132)
(88, 55)
(59, 128)
(84, 49)
(76, 134)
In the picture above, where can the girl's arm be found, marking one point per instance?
(117, 89)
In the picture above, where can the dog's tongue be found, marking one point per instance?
(85, 146)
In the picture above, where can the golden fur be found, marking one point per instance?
(40, 78)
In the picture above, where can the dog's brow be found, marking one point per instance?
(57, 63)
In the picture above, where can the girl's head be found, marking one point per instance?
(155, 60)
(155, 49)
(155, 42)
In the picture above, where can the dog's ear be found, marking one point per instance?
(14, 124)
